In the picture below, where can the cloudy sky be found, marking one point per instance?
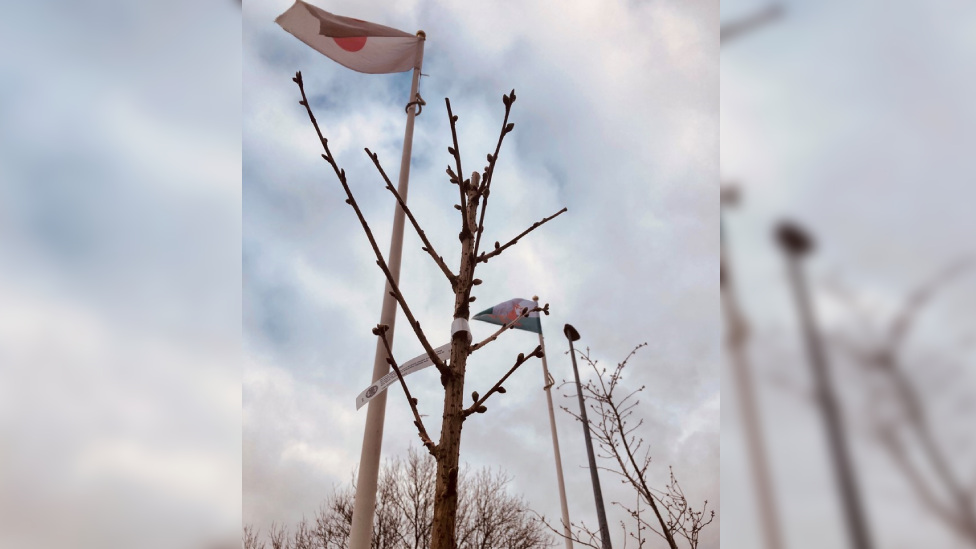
(856, 120)
(119, 274)
(616, 119)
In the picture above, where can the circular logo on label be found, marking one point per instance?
(371, 391)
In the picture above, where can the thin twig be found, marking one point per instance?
(457, 178)
(485, 189)
(380, 331)
(902, 323)
(573, 536)
(341, 174)
(524, 314)
(483, 258)
(428, 247)
(497, 388)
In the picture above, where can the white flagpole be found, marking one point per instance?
(369, 460)
(555, 440)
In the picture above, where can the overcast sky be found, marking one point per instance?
(616, 119)
(120, 274)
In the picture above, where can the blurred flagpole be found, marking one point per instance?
(737, 331)
(736, 335)
(369, 460)
(548, 382)
(734, 30)
(795, 243)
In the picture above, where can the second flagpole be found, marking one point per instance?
(548, 383)
(361, 531)
(601, 514)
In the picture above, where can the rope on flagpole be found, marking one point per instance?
(419, 102)
(550, 383)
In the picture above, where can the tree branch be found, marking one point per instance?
(428, 247)
(525, 313)
(901, 325)
(594, 543)
(959, 512)
(640, 476)
(483, 258)
(485, 188)
(341, 174)
(455, 151)
(497, 388)
(380, 330)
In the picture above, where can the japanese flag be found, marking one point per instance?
(358, 45)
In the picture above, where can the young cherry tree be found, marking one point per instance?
(473, 197)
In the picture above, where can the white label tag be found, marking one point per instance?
(414, 365)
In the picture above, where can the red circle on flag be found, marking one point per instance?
(353, 43)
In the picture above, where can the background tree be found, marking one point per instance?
(665, 512)
(488, 516)
(918, 407)
(251, 538)
(473, 202)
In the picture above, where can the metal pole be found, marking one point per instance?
(731, 31)
(369, 460)
(601, 514)
(795, 243)
(547, 386)
(737, 334)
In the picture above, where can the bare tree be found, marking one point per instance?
(903, 404)
(473, 202)
(671, 515)
(251, 538)
(333, 521)
(278, 536)
(488, 518)
(493, 519)
(411, 487)
(303, 537)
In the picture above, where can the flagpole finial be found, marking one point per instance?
(535, 298)
(422, 35)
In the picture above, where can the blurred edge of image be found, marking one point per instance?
(120, 209)
(849, 386)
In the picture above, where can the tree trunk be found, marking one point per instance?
(443, 530)
(446, 495)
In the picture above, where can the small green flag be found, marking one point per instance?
(506, 312)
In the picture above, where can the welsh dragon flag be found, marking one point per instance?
(358, 45)
(503, 313)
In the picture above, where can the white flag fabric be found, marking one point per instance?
(510, 311)
(358, 45)
(414, 365)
